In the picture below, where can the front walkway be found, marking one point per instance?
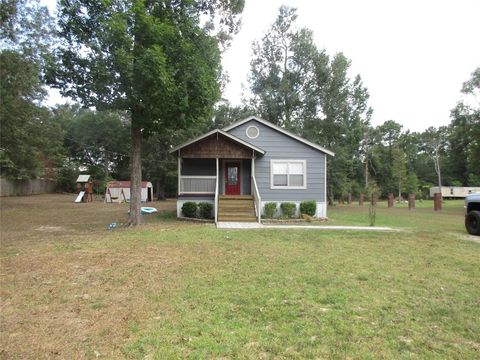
(249, 225)
(239, 225)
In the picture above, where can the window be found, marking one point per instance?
(252, 132)
(288, 174)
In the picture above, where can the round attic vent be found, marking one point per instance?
(252, 132)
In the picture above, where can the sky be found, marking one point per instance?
(413, 56)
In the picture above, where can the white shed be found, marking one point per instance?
(119, 191)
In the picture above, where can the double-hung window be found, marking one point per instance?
(288, 174)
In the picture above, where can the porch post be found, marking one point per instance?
(179, 171)
(216, 191)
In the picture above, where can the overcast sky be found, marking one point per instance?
(413, 56)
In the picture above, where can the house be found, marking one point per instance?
(250, 163)
(119, 191)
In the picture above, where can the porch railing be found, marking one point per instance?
(257, 199)
(216, 201)
(197, 184)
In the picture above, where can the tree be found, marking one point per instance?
(412, 183)
(464, 134)
(27, 28)
(226, 114)
(385, 138)
(282, 77)
(297, 86)
(434, 142)
(472, 86)
(28, 136)
(97, 140)
(399, 169)
(154, 60)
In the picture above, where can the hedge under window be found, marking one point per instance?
(288, 174)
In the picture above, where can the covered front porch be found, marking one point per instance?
(220, 168)
(199, 176)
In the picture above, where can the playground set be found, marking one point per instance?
(84, 189)
(119, 191)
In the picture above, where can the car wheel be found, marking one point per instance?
(472, 222)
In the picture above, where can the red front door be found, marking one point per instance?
(232, 178)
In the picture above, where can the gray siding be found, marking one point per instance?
(246, 176)
(281, 146)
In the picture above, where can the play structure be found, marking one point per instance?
(84, 189)
(119, 191)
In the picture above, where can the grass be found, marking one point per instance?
(72, 289)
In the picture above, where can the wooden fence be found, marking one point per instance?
(26, 187)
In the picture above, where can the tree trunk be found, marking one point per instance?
(135, 217)
(106, 166)
(399, 191)
(161, 189)
(366, 171)
(331, 197)
(439, 177)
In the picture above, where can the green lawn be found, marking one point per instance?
(179, 290)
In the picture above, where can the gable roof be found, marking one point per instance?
(221, 132)
(281, 130)
(83, 178)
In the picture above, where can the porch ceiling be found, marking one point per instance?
(218, 144)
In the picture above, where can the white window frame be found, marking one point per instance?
(304, 163)
(255, 127)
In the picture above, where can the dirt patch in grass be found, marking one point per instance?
(82, 301)
(69, 287)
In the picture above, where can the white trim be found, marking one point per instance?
(283, 131)
(179, 172)
(221, 132)
(304, 162)
(255, 127)
(325, 181)
(197, 177)
(255, 192)
(216, 193)
(197, 193)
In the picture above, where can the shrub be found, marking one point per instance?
(288, 209)
(205, 210)
(189, 209)
(308, 207)
(270, 210)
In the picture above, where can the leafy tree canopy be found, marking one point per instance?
(158, 60)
